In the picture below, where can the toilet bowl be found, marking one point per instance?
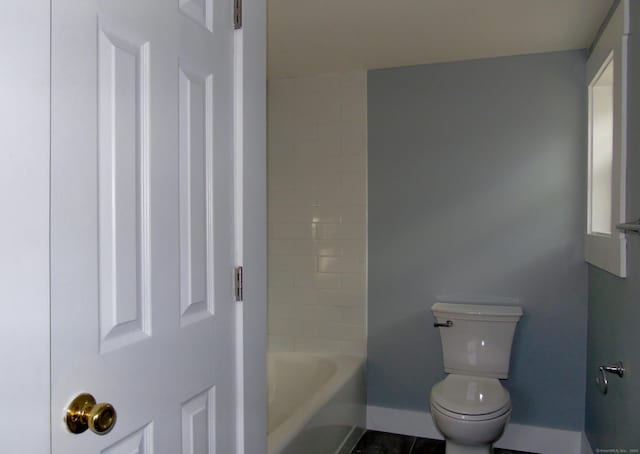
(470, 412)
(470, 407)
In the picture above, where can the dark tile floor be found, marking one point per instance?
(374, 442)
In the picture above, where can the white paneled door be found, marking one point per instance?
(142, 222)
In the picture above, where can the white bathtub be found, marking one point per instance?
(316, 403)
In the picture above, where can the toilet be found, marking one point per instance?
(470, 407)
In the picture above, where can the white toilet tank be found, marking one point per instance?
(478, 340)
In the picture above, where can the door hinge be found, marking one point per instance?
(237, 14)
(239, 283)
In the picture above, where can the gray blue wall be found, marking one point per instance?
(476, 187)
(614, 304)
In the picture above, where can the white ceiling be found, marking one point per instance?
(318, 36)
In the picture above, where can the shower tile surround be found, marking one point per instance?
(316, 161)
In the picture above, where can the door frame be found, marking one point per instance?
(251, 149)
(25, 87)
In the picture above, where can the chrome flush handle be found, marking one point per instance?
(447, 324)
(602, 382)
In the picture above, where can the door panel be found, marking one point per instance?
(196, 195)
(123, 191)
(142, 235)
(139, 442)
(198, 423)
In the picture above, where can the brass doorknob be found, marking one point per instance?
(84, 413)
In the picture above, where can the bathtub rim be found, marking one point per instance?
(347, 366)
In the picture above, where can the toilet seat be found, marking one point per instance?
(462, 417)
(470, 398)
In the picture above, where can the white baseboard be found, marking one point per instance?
(518, 437)
(585, 447)
(405, 422)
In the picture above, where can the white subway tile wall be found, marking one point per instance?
(317, 213)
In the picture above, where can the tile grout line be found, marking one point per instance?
(413, 444)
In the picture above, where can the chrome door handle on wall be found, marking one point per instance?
(602, 382)
(447, 324)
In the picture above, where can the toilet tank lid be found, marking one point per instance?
(477, 309)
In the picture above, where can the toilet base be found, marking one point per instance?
(454, 448)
